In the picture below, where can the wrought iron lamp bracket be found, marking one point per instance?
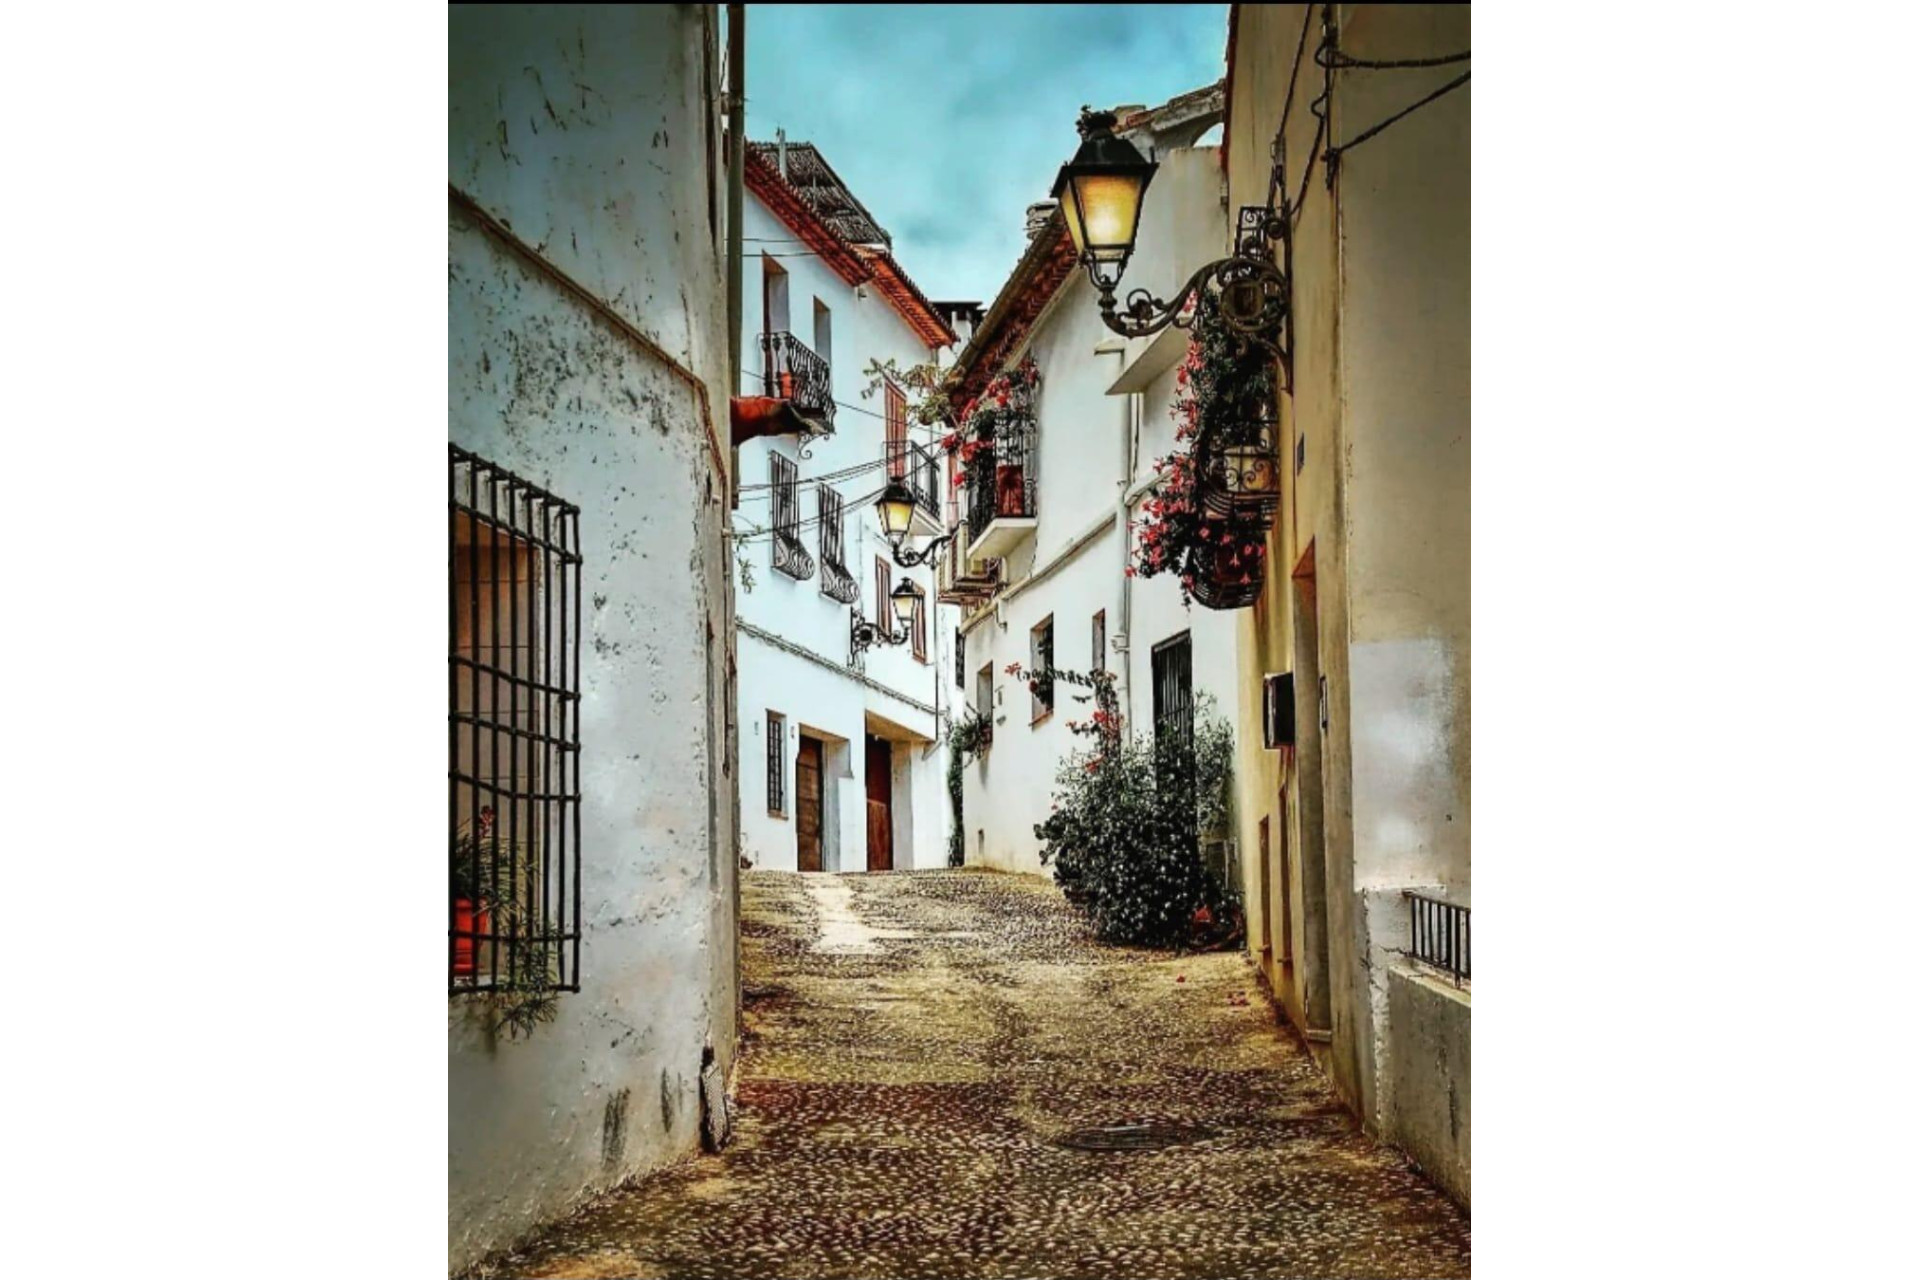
(907, 558)
(1253, 294)
(863, 635)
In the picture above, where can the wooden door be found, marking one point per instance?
(811, 812)
(879, 804)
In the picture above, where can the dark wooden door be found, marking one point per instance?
(879, 804)
(811, 812)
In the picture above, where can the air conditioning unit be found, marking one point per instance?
(1277, 708)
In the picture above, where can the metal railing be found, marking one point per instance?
(1002, 479)
(1442, 935)
(795, 374)
(915, 467)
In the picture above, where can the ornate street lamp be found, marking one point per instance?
(863, 635)
(895, 508)
(906, 600)
(1102, 191)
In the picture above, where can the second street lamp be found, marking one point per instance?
(906, 599)
(895, 509)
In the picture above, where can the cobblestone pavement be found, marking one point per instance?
(915, 1043)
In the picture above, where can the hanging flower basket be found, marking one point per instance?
(1208, 521)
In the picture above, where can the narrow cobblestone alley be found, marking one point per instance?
(916, 1045)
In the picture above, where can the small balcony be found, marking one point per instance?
(1002, 491)
(914, 466)
(800, 380)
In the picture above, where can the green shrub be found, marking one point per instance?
(1123, 836)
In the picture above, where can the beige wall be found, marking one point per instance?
(1381, 400)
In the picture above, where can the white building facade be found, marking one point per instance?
(841, 754)
(591, 780)
(1061, 586)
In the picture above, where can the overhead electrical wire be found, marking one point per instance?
(761, 533)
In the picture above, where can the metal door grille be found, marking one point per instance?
(513, 732)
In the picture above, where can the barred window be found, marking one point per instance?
(513, 734)
(883, 594)
(1100, 641)
(1040, 680)
(789, 555)
(835, 582)
(919, 623)
(959, 658)
(776, 763)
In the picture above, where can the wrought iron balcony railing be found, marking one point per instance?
(1002, 479)
(795, 374)
(913, 464)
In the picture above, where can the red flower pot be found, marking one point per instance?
(1010, 485)
(466, 924)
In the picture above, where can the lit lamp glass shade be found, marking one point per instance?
(895, 505)
(1250, 468)
(1101, 191)
(904, 599)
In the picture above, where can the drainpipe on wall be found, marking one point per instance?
(1122, 638)
(736, 197)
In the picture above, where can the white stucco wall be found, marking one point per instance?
(1073, 565)
(818, 689)
(541, 385)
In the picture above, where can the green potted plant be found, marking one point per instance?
(487, 877)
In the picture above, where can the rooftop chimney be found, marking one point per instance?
(1037, 215)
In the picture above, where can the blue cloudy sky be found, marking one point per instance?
(949, 120)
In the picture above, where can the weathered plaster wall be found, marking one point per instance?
(541, 384)
(1405, 218)
(1376, 511)
(1428, 1104)
(818, 691)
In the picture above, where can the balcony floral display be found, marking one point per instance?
(998, 425)
(1207, 522)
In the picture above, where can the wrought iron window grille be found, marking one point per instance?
(776, 763)
(836, 582)
(1442, 936)
(789, 554)
(1040, 655)
(513, 732)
